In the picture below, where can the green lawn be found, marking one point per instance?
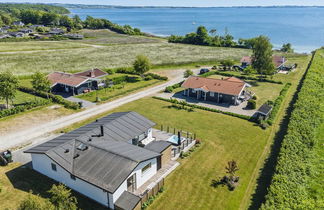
(117, 90)
(22, 97)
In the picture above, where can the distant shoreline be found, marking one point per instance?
(87, 6)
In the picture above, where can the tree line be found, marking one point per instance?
(50, 17)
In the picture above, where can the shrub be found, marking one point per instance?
(22, 108)
(254, 97)
(251, 104)
(168, 89)
(156, 76)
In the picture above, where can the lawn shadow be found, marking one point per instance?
(267, 172)
(24, 178)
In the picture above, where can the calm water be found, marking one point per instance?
(303, 27)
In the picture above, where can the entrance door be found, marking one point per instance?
(131, 183)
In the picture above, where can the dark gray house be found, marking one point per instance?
(231, 90)
(78, 83)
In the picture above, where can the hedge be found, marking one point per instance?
(55, 98)
(205, 108)
(295, 169)
(277, 103)
(23, 108)
(240, 77)
(169, 89)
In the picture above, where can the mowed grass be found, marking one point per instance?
(224, 138)
(22, 97)
(38, 45)
(107, 94)
(80, 59)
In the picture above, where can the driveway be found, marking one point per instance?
(29, 135)
(85, 104)
(239, 109)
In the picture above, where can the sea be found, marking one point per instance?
(303, 27)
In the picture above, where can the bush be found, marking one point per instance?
(22, 108)
(168, 89)
(156, 76)
(254, 97)
(251, 104)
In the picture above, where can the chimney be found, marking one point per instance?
(102, 130)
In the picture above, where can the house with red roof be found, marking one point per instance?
(231, 90)
(77, 83)
(277, 60)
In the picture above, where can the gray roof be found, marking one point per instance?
(158, 146)
(127, 201)
(106, 161)
(265, 109)
(119, 126)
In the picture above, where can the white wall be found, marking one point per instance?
(140, 178)
(42, 164)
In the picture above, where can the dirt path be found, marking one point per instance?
(27, 136)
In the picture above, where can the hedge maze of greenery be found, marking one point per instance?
(295, 171)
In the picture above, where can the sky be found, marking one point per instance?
(189, 3)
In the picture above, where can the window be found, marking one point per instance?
(146, 168)
(193, 91)
(53, 166)
(72, 176)
(212, 94)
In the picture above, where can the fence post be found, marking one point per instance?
(187, 134)
(174, 131)
(161, 127)
(195, 136)
(168, 129)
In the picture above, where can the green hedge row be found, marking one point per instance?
(204, 108)
(169, 89)
(277, 103)
(23, 108)
(290, 187)
(240, 77)
(55, 98)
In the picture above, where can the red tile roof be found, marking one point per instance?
(93, 73)
(230, 86)
(276, 59)
(66, 78)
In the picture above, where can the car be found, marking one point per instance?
(203, 71)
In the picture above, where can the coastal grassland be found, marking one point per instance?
(80, 59)
(107, 37)
(38, 45)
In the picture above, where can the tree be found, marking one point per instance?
(249, 70)
(187, 73)
(50, 18)
(8, 86)
(142, 64)
(202, 37)
(61, 198)
(231, 167)
(227, 63)
(262, 56)
(35, 203)
(40, 82)
(287, 48)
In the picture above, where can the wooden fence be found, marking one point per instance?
(151, 192)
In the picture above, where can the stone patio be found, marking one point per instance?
(239, 109)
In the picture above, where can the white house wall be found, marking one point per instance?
(140, 178)
(42, 164)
